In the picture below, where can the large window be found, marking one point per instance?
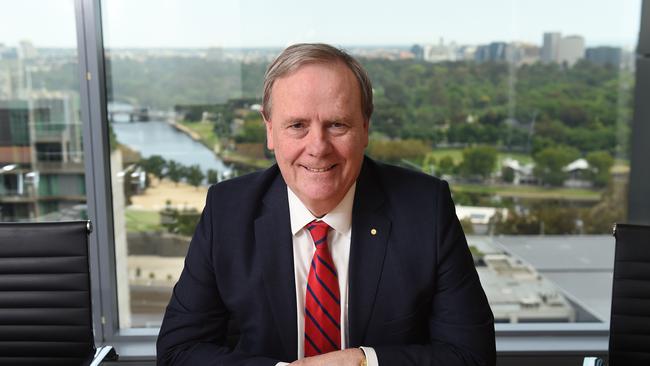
(524, 107)
(41, 158)
(525, 110)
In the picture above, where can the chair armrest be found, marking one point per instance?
(105, 352)
(592, 361)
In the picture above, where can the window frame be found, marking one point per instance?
(139, 343)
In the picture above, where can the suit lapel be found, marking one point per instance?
(370, 233)
(273, 237)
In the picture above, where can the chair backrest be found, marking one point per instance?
(629, 336)
(45, 309)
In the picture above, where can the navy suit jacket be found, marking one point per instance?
(414, 294)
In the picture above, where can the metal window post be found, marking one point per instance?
(639, 193)
(97, 166)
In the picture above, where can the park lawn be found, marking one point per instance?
(142, 220)
(205, 130)
(523, 158)
(536, 192)
(457, 155)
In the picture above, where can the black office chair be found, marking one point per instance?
(629, 327)
(45, 305)
(629, 333)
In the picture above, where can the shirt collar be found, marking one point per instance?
(339, 219)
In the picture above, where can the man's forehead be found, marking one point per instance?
(331, 65)
(334, 96)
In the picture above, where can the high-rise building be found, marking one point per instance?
(417, 51)
(563, 50)
(495, 51)
(605, 55)
(550, 47)
(41, 159)
(571, 49)
(440, 52)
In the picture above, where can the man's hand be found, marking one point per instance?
(348, 357)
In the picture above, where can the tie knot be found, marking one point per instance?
(318, 231)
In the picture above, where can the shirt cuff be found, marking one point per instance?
(371, 356)
(281, 364)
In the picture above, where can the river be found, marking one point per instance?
(160, 138)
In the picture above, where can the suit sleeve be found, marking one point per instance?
(461, 324)
(194, 329)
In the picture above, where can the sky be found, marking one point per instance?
(278, 23)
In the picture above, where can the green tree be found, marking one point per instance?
(549, 164)
(175, 171)
(446, 166)
(213, 176)
(507, 174)
(612, 208)
(518, 224)
(155, 165)
(194, 175)
(478, 162)
(558, 219)
(253, 131)
(600, 163)
(181, 222)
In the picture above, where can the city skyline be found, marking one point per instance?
(240, 24)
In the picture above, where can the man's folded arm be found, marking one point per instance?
(195, 325)
(461, 324)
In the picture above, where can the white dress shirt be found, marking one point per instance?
(338, 239)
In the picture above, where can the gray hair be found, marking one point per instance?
(297, 55)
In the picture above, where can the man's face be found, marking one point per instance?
(318, 133)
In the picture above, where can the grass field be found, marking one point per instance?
(142, 220)
(534, 192)
(457, 155)
(205, 130)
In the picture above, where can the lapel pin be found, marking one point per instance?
(373, 231)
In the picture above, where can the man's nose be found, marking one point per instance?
(318, 142)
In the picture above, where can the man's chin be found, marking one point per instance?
(321, 198)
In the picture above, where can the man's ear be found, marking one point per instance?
(269, 130)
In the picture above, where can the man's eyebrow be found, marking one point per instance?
(341, 118)
(291, 120)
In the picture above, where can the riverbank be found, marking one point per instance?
(200, 132)
(203, 133)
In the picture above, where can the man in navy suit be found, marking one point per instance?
(388, 281)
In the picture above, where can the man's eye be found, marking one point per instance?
(297, 125)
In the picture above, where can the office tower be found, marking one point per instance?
(571, 49)
(417, 51)
(550, 47)
(495, 51)
(605, 55)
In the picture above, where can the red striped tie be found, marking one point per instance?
(322, 300)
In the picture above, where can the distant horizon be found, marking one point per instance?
(405, 46)
(261, 24)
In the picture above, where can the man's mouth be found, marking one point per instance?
(319, 170)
